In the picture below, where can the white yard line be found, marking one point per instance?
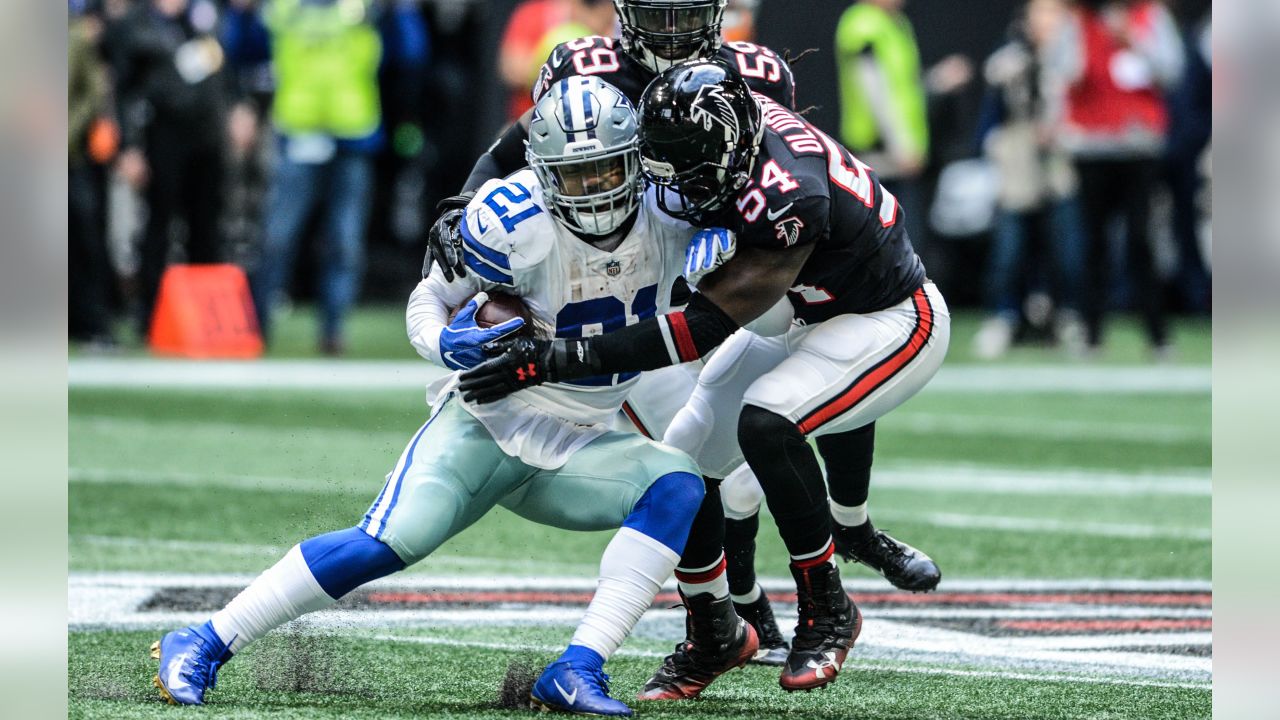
(852, 663)
(1048, 525)
(967, 479)
(426, 581)
(981, 479)
(394, 375)
(1023, 427)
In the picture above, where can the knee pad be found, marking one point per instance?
(741, 494)
(666, 510)
(344, 560)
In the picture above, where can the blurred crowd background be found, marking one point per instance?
(1051, 155)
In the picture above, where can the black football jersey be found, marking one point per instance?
(763, 69)
(806, 188)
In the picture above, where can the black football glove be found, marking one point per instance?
(444, 240)
(524, 362)
(514, 365)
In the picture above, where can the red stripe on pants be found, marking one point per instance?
(880, 373)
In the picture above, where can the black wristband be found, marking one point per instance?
(670, 339)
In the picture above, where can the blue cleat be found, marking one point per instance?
(189, 660)
(576, 683)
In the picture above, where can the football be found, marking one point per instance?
(500, 308)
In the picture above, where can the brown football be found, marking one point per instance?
(500, 308)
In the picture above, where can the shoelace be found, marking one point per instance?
(890, 549)
(597, 678)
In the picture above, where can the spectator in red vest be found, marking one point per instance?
(1113, 65)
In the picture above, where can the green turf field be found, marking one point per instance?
(1093, 494)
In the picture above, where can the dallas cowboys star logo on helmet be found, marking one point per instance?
(710, 106)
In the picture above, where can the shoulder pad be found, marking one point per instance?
(506, 228)
(560, 64)
(765, 71)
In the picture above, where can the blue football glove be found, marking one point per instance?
(461, 343)
(708, 250)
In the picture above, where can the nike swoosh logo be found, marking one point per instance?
(175, 681)
(775, 215)
(569, 697)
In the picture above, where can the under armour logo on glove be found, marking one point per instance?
(708, 250)
(513, 365)
(462, 342)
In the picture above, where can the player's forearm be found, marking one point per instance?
(657, 342)
(428, 312)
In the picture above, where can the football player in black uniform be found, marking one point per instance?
(811, 223)
(655, 35)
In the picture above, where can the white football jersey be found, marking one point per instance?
(513, 244)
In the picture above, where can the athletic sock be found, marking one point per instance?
(849, 516)
(310, 577)
(788, 470)
(632, 570)
(284, 592)
(750, 596)
(847, 457)
(740, 553)
(711, 579)
(814, 559)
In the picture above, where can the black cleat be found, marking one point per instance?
(828, 626)
(902, 565)
(716, 641)
(773, 648)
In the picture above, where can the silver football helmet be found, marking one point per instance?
(662, 33)
(584, 147)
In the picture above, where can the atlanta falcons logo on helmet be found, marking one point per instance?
(711, 106)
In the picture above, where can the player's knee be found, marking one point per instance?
(344, 560)
(667, 508)
(763, 431)
(741, 494)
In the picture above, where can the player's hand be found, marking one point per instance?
(462, 342)
(444, 240)
(515, 365)
(708, 250)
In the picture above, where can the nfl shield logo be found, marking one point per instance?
(614, 268)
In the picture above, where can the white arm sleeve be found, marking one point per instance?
(428, 311)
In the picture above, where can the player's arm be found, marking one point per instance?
(457, 343)
(739, 292)
(504, 156)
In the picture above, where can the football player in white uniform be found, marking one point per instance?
(575, 238)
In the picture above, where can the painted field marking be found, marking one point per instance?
(771, 585)
(852, 663)
(1048, 525)
(391, 375)
(964, 479)
(1099, 429)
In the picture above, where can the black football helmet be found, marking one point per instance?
(700, 132)
(662, 33)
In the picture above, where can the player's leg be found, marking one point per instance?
(653, 404)
(449, 475)
(705, 428)
(741, 496)
(651, 493)
(842, 375)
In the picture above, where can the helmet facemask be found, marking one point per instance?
(590, 190)
(584, 148)
(663, 33)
